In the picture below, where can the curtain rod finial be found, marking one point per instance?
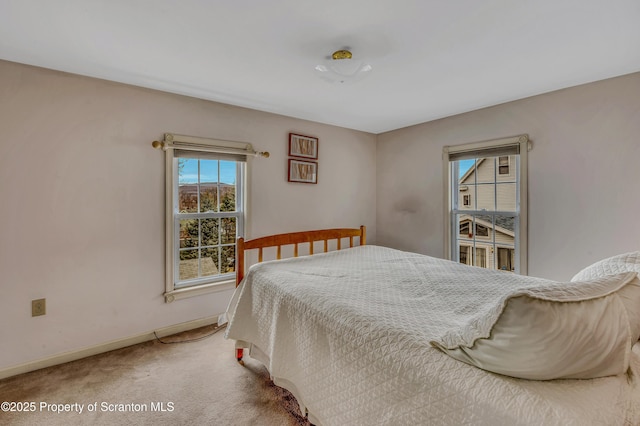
(157, 144)
(264, 154)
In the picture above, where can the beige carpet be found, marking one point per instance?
(195, 383)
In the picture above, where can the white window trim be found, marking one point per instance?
(174, 141)
(524, 148)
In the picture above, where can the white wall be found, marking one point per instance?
(584, 174)
(82, 203)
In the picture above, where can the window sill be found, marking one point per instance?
(184, 293)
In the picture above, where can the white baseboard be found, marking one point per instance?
(105, 347)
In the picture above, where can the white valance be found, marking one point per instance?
(193, 146)
(492, 148)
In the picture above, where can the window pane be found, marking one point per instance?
(189, 233)
(486, 197)
(188, 198)
(228, 259)
(466, 171)
(227, 186)
(507, 223)
(472, 226)
(507, 195)
(228, 172)
(188, 265)
(209, 262)
(227, 198)
(208, 171)
(465, 226)
(228, 230)
(187, 185)
(484, 227)
(210, 231)
(486, 169)
(208, 186)
(208, 197)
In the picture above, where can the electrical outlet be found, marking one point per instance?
(38, 307)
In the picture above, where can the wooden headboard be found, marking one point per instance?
(295, 238)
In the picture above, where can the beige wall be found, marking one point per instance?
(584, 174)
(82, 203)
(82, 222)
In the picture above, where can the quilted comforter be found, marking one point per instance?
(349, 334)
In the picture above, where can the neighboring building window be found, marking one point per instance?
(503, 165)
(205, 214)
(496, 209)
(506, 257)
(464, 255)
(482, 231)
(481, 257)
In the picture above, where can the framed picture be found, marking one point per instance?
(303, 171)
(303, 146)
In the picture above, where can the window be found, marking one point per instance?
(206, 218)
(503, 165)
(506, 259)
(481, 257)
(205, 213)
(479, 260)
(464, 255)
(491, 224)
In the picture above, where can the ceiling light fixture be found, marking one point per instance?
(343, 68)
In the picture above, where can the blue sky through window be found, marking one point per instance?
(208, 171)
(464, 166)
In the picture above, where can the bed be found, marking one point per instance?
(365, 335)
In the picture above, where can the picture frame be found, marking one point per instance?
(302, 146)
(302, 171)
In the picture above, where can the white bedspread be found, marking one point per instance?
(355, 348)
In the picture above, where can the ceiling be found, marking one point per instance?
(430, 58)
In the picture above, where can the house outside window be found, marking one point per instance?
(205, 213)
(488, 230)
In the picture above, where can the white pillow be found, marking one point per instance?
(542, 337)
(626, 262)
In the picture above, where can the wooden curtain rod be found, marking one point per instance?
(165, 146)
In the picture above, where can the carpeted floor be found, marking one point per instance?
(195, 383)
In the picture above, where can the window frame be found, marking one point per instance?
(209, 149)
(178, 217)
(489, 148)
